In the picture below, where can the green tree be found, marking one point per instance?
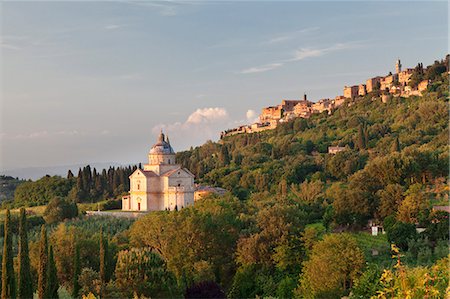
(334, 264)
(396, 145)
(143, 272)
(102, 270)
(8, 280)
(390, 199)
(362, 142)
(43, 265)
(25, 287)
(59, 209)
(76, 272)
(52, 278)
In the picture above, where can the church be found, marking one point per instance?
(162, 184)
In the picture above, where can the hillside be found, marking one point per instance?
(295, 224)
(402, 142)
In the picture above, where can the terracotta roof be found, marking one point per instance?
(170, 172)
(146, 173)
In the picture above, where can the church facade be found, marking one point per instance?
(161, 184)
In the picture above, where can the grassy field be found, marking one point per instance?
(38, 210)
(376, 248)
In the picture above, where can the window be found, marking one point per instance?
(179, 185)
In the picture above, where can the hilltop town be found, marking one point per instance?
(403, 83)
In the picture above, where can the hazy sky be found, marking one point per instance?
(87, 81)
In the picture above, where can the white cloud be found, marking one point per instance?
(201, 125)
(207, 115)
(251, 115)
(50, 134)
(165, 8)
(306, 53)
(301, 54)
(261, 69)
(112, 27)
(290, 35)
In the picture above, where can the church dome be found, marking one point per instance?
(162, 146)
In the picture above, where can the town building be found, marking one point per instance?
(405, 76)
(351, 91)
(162, 184)
(362, 90)
(202, 191)
(373, 84)
(387, 82)
(398, 66)
(271, 113)
(423, 85)
(333, 150)
(392, 85)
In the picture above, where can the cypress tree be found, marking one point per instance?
(396, 145)
(52, 279)
(8, 282)
(69, 174)
(25, 289)
(361, 138)
(43, 264)
(102, 271)
(76, 272)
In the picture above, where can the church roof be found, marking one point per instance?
(170, 172)
(162, 146)
(146, 173)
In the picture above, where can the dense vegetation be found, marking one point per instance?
(294, 224)
(88, 186)
(8, 185)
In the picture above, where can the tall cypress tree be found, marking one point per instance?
(361, 138)
(76, 272)
(8, 281)
(396, 145)
(25, 289)
(52, 279)
(43, 264)
(102, 271)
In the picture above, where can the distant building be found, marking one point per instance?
(202, 191)
(351, 91)
(322, 105)
(372, 84)
(271, 113)
(423, 85)
(338, 101)
(404, 77)
(398, 66)
(388, 81)
(362, 90)
(162, 184)
(333, 150)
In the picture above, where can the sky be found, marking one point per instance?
(85, 81)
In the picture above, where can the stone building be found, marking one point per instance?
(362, 90)
(351, 91)
(423, 85)
(333, 150)
(398, 66)
(405, 76)
(162, 184)
(388, 81)
(372, 83)
(271, 113)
